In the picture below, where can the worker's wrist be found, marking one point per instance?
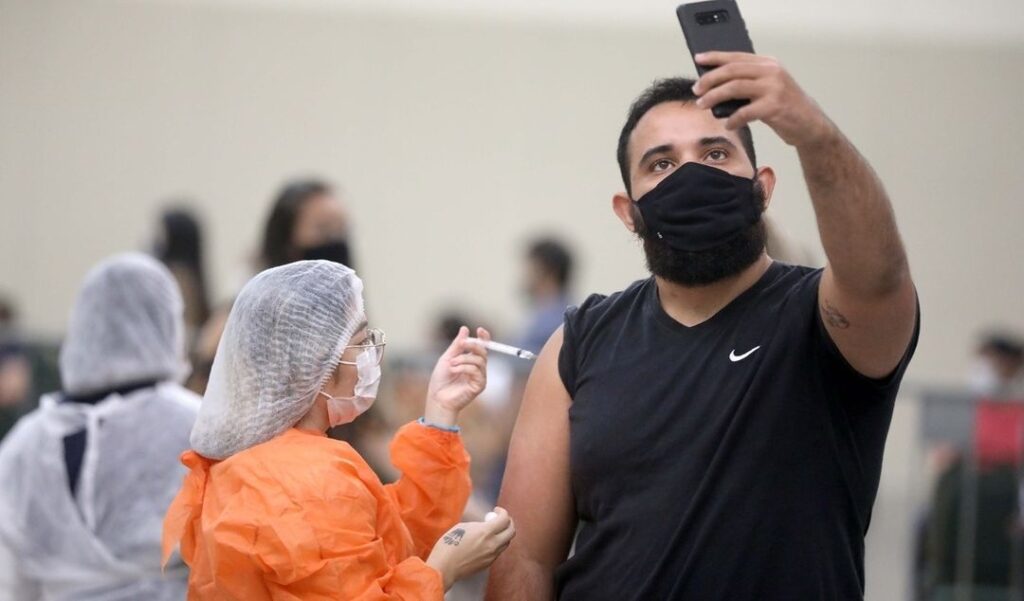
(438, 565)
(440, 418)
(424, 421)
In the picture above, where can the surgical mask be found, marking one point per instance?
(344, 410)
(698, 207)
(983, 379)
(334, 250)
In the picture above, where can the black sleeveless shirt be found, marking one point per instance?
(737, 459)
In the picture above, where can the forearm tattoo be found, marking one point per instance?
(833, 317)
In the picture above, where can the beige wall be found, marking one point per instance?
(455, 139)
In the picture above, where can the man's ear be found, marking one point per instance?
(623, 207)
(766, 177)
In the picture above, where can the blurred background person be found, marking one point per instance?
(178, 244)
(88, 476)
(204, 348)
(548, 275)
(998, 368)
(306, 222)
(969, 538)
(15, 370)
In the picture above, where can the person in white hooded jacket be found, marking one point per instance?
(86, 478)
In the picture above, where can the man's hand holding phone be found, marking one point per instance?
(775, 98)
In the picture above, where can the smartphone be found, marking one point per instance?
(715, 25)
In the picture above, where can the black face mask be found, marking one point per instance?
(335, 250)
(698, 207)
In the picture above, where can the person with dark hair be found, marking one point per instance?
(716, 430)
(549, 267)
(307, 222)
(998, 369)
(179, 246)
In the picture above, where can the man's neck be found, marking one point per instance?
(693, 305)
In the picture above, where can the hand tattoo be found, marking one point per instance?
(454, 537)
(834, 317)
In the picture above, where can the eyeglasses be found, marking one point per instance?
(375, 343)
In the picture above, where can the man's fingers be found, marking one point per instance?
(736, 89)
(745, 115)
(717, 57)
(716, 77)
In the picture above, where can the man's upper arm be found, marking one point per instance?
(536, 489)
(871, 332)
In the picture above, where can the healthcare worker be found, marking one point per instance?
(273, 508)
(86, 479)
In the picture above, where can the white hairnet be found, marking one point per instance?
(103, 543)
(283, 339)
(126, 327)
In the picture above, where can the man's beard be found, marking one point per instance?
(703, 267)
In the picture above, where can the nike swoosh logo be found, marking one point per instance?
(734, 357)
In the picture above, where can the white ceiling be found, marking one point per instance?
(973, 20)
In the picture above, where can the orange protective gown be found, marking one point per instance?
(304, 517)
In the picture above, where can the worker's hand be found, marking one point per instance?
(460, 375)
(775, 98)
(470, 547)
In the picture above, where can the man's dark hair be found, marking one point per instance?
(277, 234)
(554, 257)
(672, 89)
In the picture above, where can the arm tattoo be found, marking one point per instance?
(833, 317)
(454, 537)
